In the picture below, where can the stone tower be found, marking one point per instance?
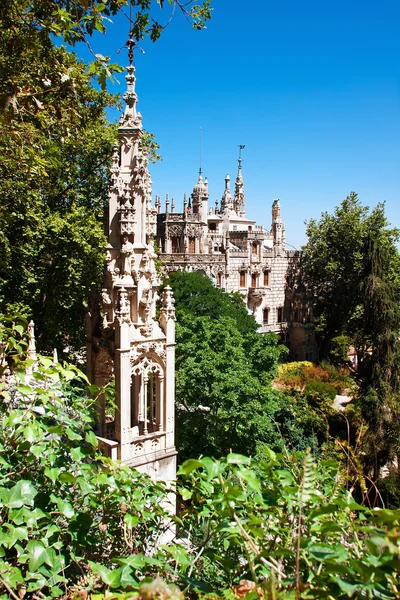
(278, 230)
(127, 340)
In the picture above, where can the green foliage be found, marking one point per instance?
(55, 151)
(298, 375)
(290, 527)
(196, 295)
(351, 266)
(74, 523)
(321, 388)
(335, 264)
(65, 509)
(224, 371)
(339, 350)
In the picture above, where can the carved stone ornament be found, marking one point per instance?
(138, 448)
(194, 230)
(157, 348)
(126, 252)
(104, 365)
(168, 303)
(105, 296)
(123, 312)
(176, 229)
(147, 366)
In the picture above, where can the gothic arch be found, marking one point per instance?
(148, 394)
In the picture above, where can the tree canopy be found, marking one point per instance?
(55, 150)
(351, 266)
(224, 373)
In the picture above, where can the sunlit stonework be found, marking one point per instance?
(126, 339)
(239, 256)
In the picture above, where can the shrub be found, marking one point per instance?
(321, 388)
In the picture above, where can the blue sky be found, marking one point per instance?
(311, 88)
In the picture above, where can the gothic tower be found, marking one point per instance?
(239, 201)
(127, 340)
(278, 230)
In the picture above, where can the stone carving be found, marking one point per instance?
(128, 297)
(104, 365)
(168, 303)
(147, 365)
(175, 230)
(194, 230)
(126, 252)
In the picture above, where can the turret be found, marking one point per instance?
(278, 230)
(200, 198)
(227, 200)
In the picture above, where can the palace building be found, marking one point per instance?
(239, 256)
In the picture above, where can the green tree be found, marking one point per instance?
(55, 149)
(335, 263)
(351, 266)
(224, 371)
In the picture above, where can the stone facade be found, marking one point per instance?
(124, 338)
(238, 255)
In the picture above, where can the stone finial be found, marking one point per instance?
(31, 341)
(168, 303)
(172, 205)
(130, 95)
(123, 312)
(167, 203)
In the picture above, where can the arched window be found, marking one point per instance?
(242, 279)
(254, 248)
(266, 278)
(147, 397)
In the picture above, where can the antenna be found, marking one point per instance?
(130, 43)
(201, 148)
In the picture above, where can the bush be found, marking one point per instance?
(321, 388)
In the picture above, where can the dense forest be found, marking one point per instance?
(280, 493)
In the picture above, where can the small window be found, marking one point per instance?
(212, 227)
(242, 279)
(253, 280)
(280, 314)
(192, 245)
(219, 279)
(249, 228)
(266, 278)
(254, 249)
(175, 244)
(265, 316)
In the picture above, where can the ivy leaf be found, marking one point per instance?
(21, 494)
(38, 554)
(108, 576)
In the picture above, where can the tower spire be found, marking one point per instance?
(239, 201)
(201, 151)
